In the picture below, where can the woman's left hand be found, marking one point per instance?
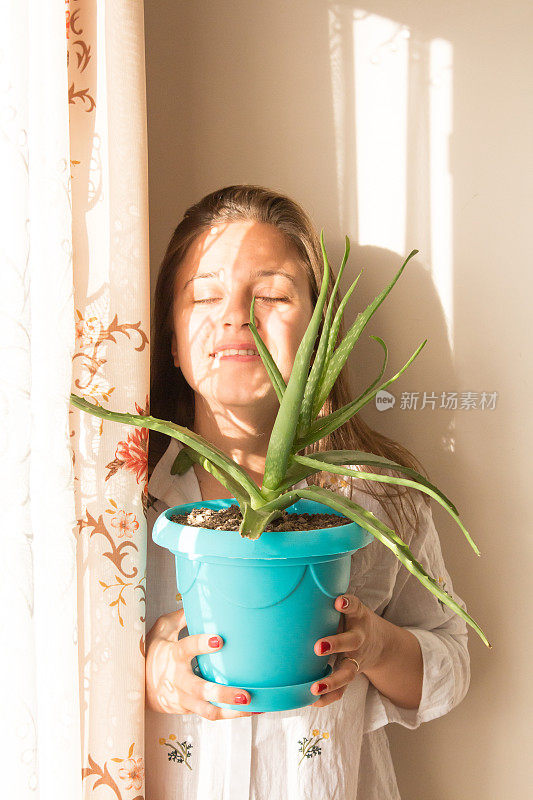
(362, 638)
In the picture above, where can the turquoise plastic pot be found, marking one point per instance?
(270, 600)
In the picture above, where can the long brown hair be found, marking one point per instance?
(171, 397)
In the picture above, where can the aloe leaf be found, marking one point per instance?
(390, 539)
(383, 366)
(380, 341)
(324, 425)
(334, 332)
(221, 475)
(332, 340)
(422, 487)
(276, 378)
(184, 435)
(255, 520)
(321, 356)
(342, 352)
(284, 430)
(183, 462)
(280, 502)
(360, 457)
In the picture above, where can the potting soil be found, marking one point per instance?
(229, 519)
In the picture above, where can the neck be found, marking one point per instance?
(242, 434)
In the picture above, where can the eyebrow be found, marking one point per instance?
(260, 273)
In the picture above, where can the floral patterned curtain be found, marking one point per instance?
(74, 316)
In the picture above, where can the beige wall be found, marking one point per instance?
(405, 125)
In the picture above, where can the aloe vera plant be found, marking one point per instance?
(297, 425)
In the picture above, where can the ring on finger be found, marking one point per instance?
(349, 658)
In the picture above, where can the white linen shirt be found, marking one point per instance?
(346, 752)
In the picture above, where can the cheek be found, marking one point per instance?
(289, 330)
(193, 335)
(302, 324)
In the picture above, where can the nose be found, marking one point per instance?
(236, 309)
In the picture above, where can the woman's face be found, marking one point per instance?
(213, 291)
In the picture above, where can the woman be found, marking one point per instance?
(399, 655)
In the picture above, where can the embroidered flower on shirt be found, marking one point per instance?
(309, 747)
(179, 751)
(442, 584)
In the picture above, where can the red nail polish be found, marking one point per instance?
(321, 687)
(344, 602)
(214, 641)
(324, 647)
(241, 699)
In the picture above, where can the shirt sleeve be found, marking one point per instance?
(442, 634)
(155, 508)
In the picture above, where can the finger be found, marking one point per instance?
(169, 626)
(191, 646)
(168, 705)
(339, 678)
(189, 704)
(350, 605)
(348, 642)
(208, 691)
(172, 663)
(330, 697)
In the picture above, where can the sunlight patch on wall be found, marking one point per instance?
(441, 186)
(381, 53)
(392, 103)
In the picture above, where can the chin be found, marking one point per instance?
(246, 396)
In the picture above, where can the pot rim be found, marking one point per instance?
(193, 542)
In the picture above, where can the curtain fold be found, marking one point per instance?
(39, 697)
(74, 316)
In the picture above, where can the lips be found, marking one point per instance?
(230, 356)
(234, 346)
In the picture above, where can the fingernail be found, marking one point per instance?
(344, 602)
(241, 699)
(214, 641)
(321, 687)
(324, 647)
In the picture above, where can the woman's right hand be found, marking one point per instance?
(171, 685)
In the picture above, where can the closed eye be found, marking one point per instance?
(268, 300)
